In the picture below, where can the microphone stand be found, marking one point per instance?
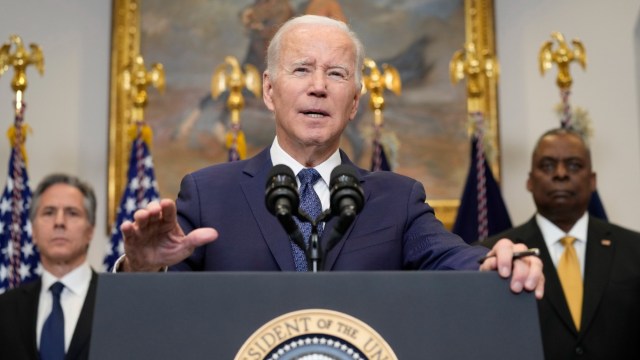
(313, 250)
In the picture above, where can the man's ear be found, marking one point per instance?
(267, 89)
(529, 186)
(356, 101)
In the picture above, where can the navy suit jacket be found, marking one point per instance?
(18, 317)
(396, 229)
(610, 325)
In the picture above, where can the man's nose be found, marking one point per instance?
(318, 84)
(59, 219)
(561, 171)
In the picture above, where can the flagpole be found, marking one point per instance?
(229, 77)
(562, 56)
(20, 259)
(141, 187)
(16, 192)
(478, 68)
(376, 82)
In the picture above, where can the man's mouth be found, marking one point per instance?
(315, 113)
(561, 193)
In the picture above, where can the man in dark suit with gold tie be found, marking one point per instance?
(592, 268)
(50, 318)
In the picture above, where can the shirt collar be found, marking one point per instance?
(552, 234)
(279, 156)
(76, 281)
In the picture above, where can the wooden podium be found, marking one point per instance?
(340, 315)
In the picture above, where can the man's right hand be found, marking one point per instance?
(154, 239)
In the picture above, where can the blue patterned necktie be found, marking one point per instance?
(52, 337)
(309, 203)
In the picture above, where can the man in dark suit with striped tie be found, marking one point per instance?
(597, 316)
(50, 318)
(312, 85)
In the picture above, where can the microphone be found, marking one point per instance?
(347, 200)
(282, 191)
(282, 200)
(347, 197)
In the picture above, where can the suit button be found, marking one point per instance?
(579, 350)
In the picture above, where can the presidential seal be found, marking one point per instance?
(315, 334)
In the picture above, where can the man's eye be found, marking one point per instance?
(300, 70)
(338, 74)
(547, 166)
(73, 212)
(574, 166)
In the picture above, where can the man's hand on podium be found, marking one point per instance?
(526, 271)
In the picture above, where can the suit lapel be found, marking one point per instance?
(28, 313)
(598, 263)
(253, 186)
(82, 333)
(553, 288)
(332, 254)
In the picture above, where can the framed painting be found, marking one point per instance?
(425, 130)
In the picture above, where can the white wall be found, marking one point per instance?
(608, 90)
(68, 107)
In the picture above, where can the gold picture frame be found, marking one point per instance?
(126, 34)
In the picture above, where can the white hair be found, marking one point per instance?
(273, 51)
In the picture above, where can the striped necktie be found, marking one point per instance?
(571, 279)
(309, 203)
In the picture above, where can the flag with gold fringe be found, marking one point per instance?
(482, 211)
(19, 258)
(236, 143)
(379, 161)
(384, 149)
(142, 188)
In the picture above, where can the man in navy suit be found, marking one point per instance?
(63, 215)
(312, 85)
(607, 326)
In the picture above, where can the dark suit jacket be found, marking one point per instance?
(396, 229)
(610, 325)
(18, 316)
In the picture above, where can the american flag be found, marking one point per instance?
(19, 258)
(142, 188)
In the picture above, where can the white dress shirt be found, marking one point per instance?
(76, 286)
(552, 235)
(279, 156)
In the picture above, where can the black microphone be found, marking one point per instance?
(282, 200)
(347, 197)
(347, 200)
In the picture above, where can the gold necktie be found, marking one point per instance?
(569, 273)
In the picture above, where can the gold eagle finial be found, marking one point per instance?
(376, 81)
(563, 56)
(228, 76)
(20, 60)
(136, 79)
(475, 67)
